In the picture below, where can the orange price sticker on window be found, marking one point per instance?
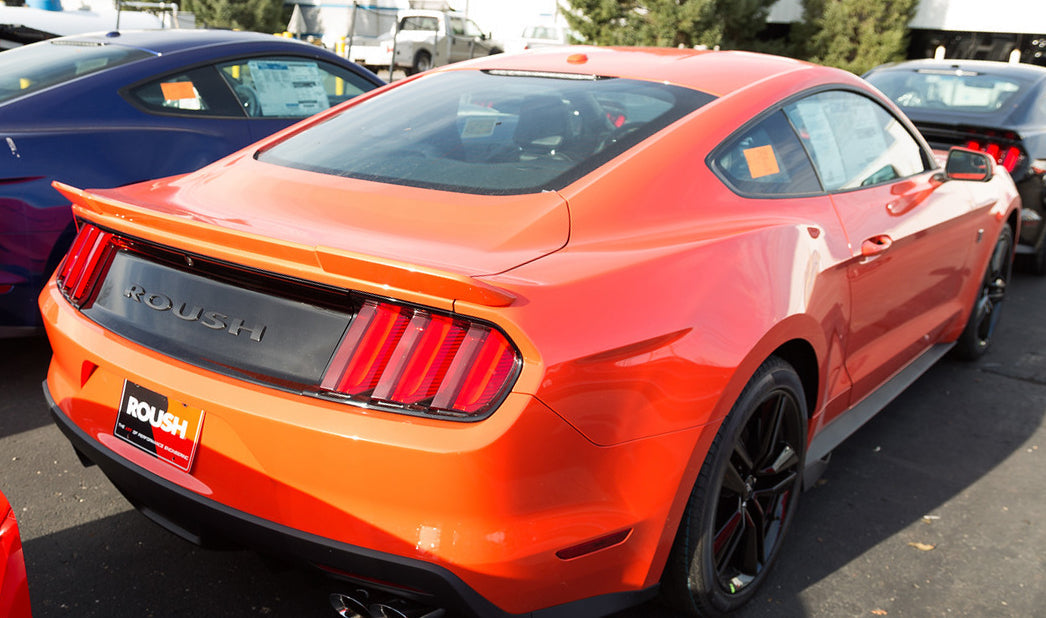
(761, 161)
(176, 91)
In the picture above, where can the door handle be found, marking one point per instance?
(876, 245)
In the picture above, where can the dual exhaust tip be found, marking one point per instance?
(362, 603)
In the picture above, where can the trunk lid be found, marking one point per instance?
(472, 235)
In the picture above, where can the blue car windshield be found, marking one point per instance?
(488, 132)
(24, 70)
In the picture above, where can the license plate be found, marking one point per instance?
(164, 428)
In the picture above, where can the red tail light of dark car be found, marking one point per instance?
(1002, 148)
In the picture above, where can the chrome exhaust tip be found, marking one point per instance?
(352, 605)
(361, 603)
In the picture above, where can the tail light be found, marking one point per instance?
(81, 267)
(1000, 147)
(413, 358)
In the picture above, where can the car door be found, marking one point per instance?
(190, 118)
(466, 39)
(911, 234)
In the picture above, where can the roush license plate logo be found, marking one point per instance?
(166, 429)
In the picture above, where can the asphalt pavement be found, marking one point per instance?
(932, 509)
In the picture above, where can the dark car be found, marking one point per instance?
(110, 109)
(994, 107)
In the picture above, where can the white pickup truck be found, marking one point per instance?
(424, 39)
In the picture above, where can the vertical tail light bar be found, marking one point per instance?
(1008, 156)
(82, 266)
(410, 357)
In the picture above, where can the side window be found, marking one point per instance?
(767, 159)
(427, 24)
(472, 30)
(854, 141)
(199, 92)
(289, 87)
(457, 26)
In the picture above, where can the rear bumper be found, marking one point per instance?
(209, 523)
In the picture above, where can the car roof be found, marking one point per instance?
(1004, 69)
(174, 40)
(715, 72)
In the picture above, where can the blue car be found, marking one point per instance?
(105, 110)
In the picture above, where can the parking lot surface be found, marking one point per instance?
(932, 509)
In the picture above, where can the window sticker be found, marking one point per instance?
(479, 126)
(809, 117)
(288, 87)
(761, 161)
(178, 91)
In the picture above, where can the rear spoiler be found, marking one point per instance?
(280, 256)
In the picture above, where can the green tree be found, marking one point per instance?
(258, 15)
(855, 35)
(668, 23)
(601, 22)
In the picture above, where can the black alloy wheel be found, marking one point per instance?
(744, 499)
(976, 338)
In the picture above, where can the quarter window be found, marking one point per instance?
(199, 92)
(767, 159)
(854, 141)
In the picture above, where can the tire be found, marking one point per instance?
(741, 506)
(422, 62)
(976, 337)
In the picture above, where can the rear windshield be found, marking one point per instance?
(487, 132)
(947, 89)
(24, 70)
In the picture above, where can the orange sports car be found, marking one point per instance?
(557, 331)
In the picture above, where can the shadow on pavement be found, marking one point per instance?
(124, 565)
(23, 367)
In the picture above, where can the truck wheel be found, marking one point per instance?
(422, 62)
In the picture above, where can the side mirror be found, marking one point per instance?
(966, 164)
